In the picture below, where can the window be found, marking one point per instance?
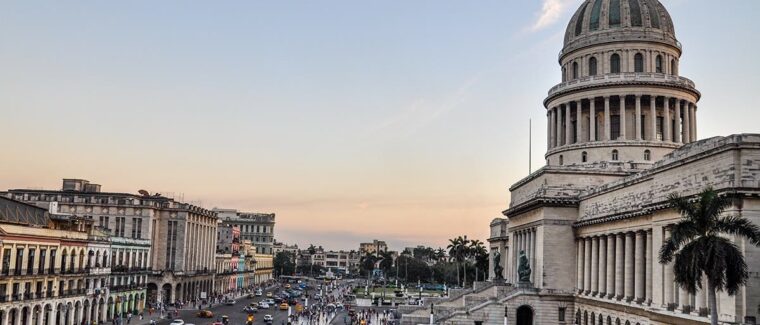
(635, 12)
(52, 261)
(615, 63)
(647, 155)
(660, 128)
(19, 260)
(643, 123)
(614, 20)
(614, 155)
(119, 232)
(658, 64)
(561, 161)
(43, 256)
(564, 74)
(592, 66)
(561, 313)
(103, 222)
(136, 228)
(638, 62)
(595, 13)
(6, 261)
(615, 126)
(584, 156)
(30, 261)
(575, 70)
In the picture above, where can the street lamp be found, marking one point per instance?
(506, 314)
(431, 313)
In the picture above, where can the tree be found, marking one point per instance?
(459, 251)
(311, 249)
(700, 246)
(367, 262)
(285, 263)
(479, 253)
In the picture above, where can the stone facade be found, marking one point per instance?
(256, 227)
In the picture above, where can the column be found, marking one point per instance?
(578, 119)
(683, 298)
(550, 129)
(619, 266)
(607, 134)
(639, 266)
(592, 120)
(637, 117)
(666, 119)
(602, 266)
(667, 277)
(693, 122)
(559, 125)
(622, 117)
(594, 265)
(587, 266)
(686, 123)
(649, 265)
(579, 258)
(653, 119)
(610, 266)
(629, 255)
(568, 124)
(677, 124)
(700, 300)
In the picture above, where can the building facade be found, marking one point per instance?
(256, 227)
(622, 136)
(373, 247)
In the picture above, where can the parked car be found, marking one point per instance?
(250, 309)
(258, 293)
(177, 322)
(263, 305)
(269, 294)
(269, 301)
(229, 302)
(268, 318)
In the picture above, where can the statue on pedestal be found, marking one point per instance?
(523, 269)
(497, 268)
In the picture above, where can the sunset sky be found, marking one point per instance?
(405, 121)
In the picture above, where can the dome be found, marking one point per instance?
(605, 21)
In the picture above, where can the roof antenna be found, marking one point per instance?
(530, 158)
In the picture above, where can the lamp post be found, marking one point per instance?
(506, 315)
(431, 313)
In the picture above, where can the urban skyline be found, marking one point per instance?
(322, 128)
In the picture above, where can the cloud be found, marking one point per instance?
(551, 11)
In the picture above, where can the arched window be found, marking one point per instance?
(638, 63)
(617, 322)
(584, 156)
(592, 66)
(575, 70)
(614, 155)
(615, 63)
(561, 161)
(647, 155)
(658, 64)
(609, 320)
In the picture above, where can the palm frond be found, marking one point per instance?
(682, 205)
(738, 226)
(681, 233)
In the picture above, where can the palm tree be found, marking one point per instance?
(700, 246)
(454, 251)
(477, 251)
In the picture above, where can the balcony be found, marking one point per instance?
(622, 78)
(126, 287)
(120, 269)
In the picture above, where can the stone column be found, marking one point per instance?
(629, 269)
(579, 274)
(587, 266)
(649, 264)
(619, 266)
(568, 124)
(559, 126)
(700, 300)
(667, 277)
(666, 119)
(607, 133)
(637, 117)
(677, 124)
(611, 265)
(594, 265)
(653, 119)
(602, 266)
(622, 117)
(683, 298)
(578, 119)
(686, 123)
(592, 120)
(639, 266)
(693, 122)
(550, 129)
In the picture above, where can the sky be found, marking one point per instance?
(405, 121)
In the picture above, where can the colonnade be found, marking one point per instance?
(619, 266)
(524, 240)
(582, 121)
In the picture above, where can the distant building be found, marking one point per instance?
(282, 247)
(256, 227)
(374, 247)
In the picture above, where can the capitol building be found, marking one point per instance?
(622, 136)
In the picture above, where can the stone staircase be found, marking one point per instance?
(456, 302)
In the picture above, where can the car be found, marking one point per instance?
(268, 318)
(284, 306)
(250, 309)
(278, 300)
(269, 294)
(293, 302)
(205, 314)
(263, 305)
(177, 322)
(269, 301)
(287, 286)
(258, 293)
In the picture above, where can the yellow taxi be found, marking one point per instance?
(284, 306)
